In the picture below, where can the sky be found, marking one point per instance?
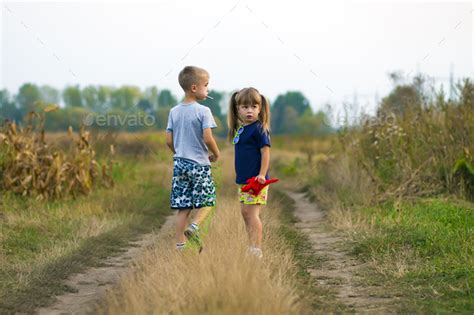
(334, 52)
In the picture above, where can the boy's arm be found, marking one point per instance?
(265, 164)
(210, 142)
(169, 141)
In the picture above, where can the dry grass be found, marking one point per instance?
(414, 153)
(222, 279)
(398, 264)
(65, 228)
(37, 235)
(348, 220)
(424, 151)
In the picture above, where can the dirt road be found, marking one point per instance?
(92, 285)
(341, 272)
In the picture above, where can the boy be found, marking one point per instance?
(189, 136)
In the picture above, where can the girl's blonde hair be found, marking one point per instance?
(247, 96)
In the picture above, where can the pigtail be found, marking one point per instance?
(232, 116)
(264, 115)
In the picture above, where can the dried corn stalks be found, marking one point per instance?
(30, 167)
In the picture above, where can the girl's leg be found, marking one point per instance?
(181, 221)
(253, 224)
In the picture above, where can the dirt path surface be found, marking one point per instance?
(340, 272)
(92, 285)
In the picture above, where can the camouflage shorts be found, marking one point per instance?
(192, 186)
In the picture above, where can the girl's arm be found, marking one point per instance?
(265, 151)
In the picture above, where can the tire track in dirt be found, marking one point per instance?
(340, 272)
(92, 285)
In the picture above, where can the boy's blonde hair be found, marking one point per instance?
(247, 96)
(191, 75)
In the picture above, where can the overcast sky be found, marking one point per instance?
(327, 49)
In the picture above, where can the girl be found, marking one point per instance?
(249, 130)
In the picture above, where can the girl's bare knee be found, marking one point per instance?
(246, 217)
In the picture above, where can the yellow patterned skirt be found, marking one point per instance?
(249, 199)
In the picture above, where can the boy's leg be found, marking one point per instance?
(181, 197)
(199, 226)
(202, 214)
(253, 224)
(204, 196)
(181, 221)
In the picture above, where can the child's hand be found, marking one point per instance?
(213, 158)
(254, 187)
(261, 179)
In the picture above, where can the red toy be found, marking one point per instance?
(254, 187)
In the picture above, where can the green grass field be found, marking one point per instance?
(425, 247)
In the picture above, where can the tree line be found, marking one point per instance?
(291, 111)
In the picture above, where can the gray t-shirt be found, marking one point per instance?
(187, 122)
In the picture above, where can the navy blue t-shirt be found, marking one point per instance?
(248, 158)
